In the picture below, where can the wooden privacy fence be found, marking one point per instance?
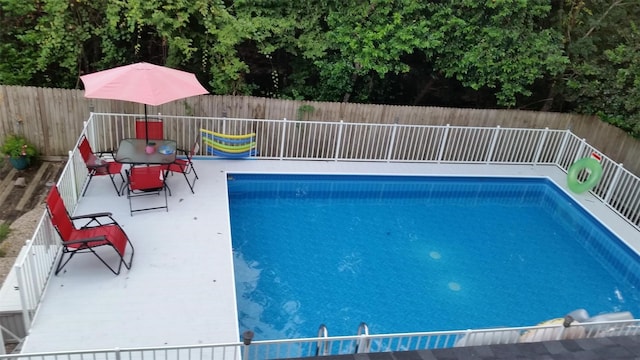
(53, 118)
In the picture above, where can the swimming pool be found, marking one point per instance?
(411, 253)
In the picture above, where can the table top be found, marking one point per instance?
(133, 151)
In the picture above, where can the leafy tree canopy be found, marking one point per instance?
(566, 55)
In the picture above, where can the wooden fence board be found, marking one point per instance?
(52, 118)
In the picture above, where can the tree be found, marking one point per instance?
(602, 40)
(43, 41)
(495, 44)
(200, 36)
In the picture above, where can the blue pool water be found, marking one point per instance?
(407, 254)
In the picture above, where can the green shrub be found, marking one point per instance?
(4, 231)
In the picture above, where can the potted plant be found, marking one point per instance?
(18, 150)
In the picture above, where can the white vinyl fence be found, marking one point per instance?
(342, 141)
(336, 141)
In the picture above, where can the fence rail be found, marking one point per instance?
(341, 345)
(336, 141)
(342, 141)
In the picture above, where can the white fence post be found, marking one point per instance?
(614, 183)
(283, 137)
(563, 146)
(492, 146)
(543, 140)
(583, 144)
(336, 155)
(22, 288)
(443, 143)
(74, 182)
(392, 140)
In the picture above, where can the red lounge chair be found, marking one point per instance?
(99, 230)
(97, 166)
(185, 166)
(145, 181)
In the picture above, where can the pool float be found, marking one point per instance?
(603, 330)
(595, 173)
(569, 330)
(561, 332)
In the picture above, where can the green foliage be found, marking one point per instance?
(496, 44)
(198, 35)
(367, 41)
(583, 54)
(5, 230)
(16, 146)
(603, 42)
(304, 111)
(16, 57)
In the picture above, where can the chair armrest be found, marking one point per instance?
(81, 241)
(95, 218)
(91, 216)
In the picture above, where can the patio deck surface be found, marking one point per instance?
(180, 290)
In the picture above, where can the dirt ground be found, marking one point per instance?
(22, 204)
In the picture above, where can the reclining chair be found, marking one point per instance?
(99, 230)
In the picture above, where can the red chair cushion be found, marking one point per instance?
(111, 233)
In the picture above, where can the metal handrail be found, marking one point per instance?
(323, 333)
(363, 344)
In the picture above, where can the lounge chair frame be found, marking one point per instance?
(104, 229)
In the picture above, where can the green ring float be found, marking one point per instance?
(595, 173)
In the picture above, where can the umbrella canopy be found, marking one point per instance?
(143, 83)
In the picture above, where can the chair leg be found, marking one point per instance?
(189, 183)
(128, 266)
(115, 272)
(187, 170)
(166, 202)
(87, 186)
(118, 189)
(62, 264)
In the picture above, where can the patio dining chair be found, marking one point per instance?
(99, 230)
(145, 181)
(97, 165)
(153, 127)
(185, 166)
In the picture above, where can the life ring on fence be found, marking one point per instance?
(595, 173)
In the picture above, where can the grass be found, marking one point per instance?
(4, 233)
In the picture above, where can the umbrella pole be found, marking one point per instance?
(146, 125)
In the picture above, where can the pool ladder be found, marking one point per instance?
(363, 345)
(322, 347)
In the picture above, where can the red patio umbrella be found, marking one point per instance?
(143, 83)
